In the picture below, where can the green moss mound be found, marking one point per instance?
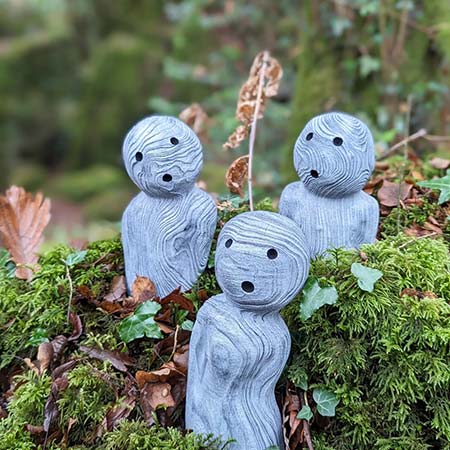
(384, 354)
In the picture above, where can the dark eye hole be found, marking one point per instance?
(228, 243)
(174, 141)
(309, 136)
(272, 253)
(338, 141)
(139, 156)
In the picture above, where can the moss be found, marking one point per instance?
(88, 397)
(28, 308)
(384, 354)
(131, 435)
(25, 407)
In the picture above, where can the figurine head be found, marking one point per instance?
(262, 260)
(162, 156)
(334, 155)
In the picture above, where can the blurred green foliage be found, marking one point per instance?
(75, 75)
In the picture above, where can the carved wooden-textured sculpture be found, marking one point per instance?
(334, 157)
(239, 343)
(167, 229)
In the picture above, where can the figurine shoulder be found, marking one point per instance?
(203, 201)
(370, 202)
(292, 189)
(136, 204)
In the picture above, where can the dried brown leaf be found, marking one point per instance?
(119, 360)
(23, 219)
(179, 299)
(118, 289)
(440, 163)
(77, 326)
(236, 175)
(390, 193)
(143, 289)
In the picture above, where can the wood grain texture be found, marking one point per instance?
(168, 228)
(240, 344)
(334, 157)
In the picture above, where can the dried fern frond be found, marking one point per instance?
(263, 82)
(236, 175)
(196, 117)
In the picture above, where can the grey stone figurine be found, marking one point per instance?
(239, 343)
(167, 229)
(334, 157)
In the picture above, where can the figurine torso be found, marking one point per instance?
(236, 358)
(331, 222)
(168, 239)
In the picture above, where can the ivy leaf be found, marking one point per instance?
(187, 325)
(441, 184)
(141, 323)
(367, 277)
(315, 296)
(305, 413)
(326, 402)
(75, 258)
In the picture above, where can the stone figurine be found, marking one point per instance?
(334, 157)
(240, 344)
(167, 229)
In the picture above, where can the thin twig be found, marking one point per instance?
(418, 134)
(306, 429)
(405, 157)
(70, 293)
(251, 142)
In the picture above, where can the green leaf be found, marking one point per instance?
(141, 323)
(315, 296)
(305, 413)
(76, 258)
(368, 64)
(273, 447)
(367, 277)
(7, 263)
(39, 336)
(326, 402)
(187, 325)
(441, 184)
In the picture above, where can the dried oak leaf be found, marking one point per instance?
(263, 82)
(23, 219)
(391, 193)
(236, 175)
(197, 119)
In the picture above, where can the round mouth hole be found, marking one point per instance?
(314, 173)
(139, 156)
(167, 177)
(247, 286)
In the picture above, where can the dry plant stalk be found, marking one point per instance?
(236, 175)
(263, 82)
(195, 116)
(23, 219)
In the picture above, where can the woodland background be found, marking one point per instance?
(75, 75)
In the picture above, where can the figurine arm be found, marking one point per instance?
(204, 225)
(371, 214)
(287, 204)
